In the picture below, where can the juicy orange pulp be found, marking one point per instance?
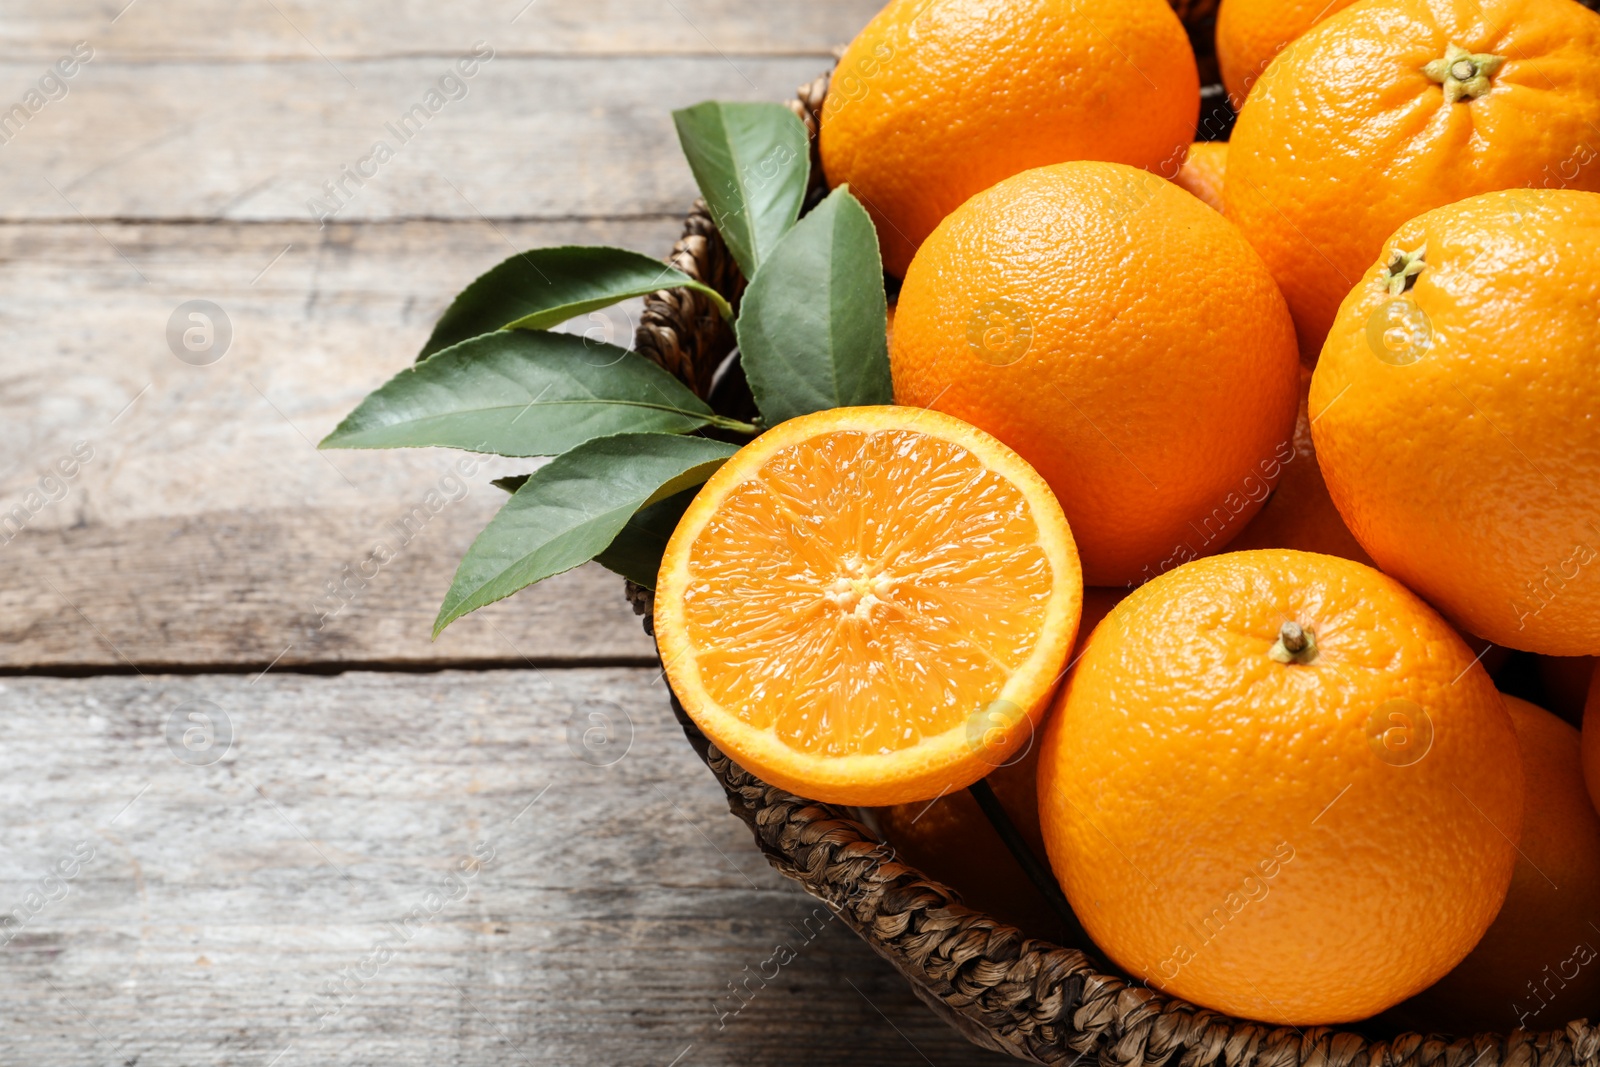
(858, 600)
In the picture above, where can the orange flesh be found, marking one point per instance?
(855, 624)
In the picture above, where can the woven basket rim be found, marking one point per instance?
(1033, 999)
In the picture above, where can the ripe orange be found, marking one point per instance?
(1351, 133)
(869, 605)
(1300, 513)
(1125, 339)
(1538, 967)
(1301, 842)
(1203, 170)
(939, 99)
(1251, 32)
(1457, 415)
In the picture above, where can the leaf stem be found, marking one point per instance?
(724, 308)
(732, 424)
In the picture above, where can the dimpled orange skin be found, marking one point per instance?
(1223, 824)
(1345, 137)
(1155, 370)
(1543, 933)
(1473, 473)
(1203, 171)
(1251, 32)
(939, 99)
(1300, 513)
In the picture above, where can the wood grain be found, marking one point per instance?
(298, 29)
(219, 903)
(206, 527)
(533, 138)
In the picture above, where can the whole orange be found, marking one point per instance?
(939, 99)
(1124, 339)
(1393, 107)
(1538, 967)
(1300, 513)
(1277, 784)
(1203, 171)
(1456, 415)
(1251, 32)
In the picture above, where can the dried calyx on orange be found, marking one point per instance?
(869, 605)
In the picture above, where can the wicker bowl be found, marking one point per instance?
(1037, 1001)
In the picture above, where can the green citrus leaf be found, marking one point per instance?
(813, 324)
(752, 163)
(571, 509)
(636, 553)
(523, 393)
(545, 287)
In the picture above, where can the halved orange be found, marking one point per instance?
(869, 605)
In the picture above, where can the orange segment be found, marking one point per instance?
(869, 605)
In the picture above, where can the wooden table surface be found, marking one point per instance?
(368, 847)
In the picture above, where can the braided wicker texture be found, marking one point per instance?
(1037, 1001)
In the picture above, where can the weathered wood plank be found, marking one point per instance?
(234, 911)
(172, 28)
(219, 590)
(204, 528)
(546, 137)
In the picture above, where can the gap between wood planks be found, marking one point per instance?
(332, 667)
(392, 220)
(177, 59)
